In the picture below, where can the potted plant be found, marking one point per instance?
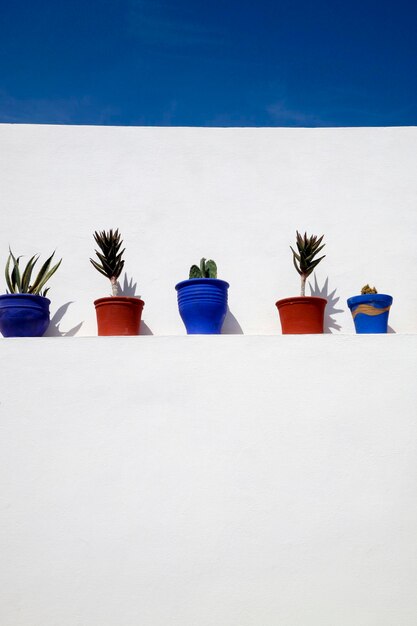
(116, 315)
(202, 300)
(303, 314)
(24, 309)
(370, 310)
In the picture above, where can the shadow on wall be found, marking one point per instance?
(332, 300)
(144, 329)
(129, 289)
(230, 325)
(54, 330)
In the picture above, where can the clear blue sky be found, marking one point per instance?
(209, 62)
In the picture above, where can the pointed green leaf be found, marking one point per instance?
(295, 265)
(15, 277)
(41, 274)
(311, 256)
(7, 275)
(314, 264)
(46, 277)
(297, 256)
(98, 268)
(26, 276)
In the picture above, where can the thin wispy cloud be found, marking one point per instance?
(281, 114)
(53, 110)
(160, 24)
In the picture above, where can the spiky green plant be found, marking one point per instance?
(207, 269)
(304, 261)
(367, 290)
(110, 256)
(19, 280)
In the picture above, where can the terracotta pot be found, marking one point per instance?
(301, 315)
(118, 315)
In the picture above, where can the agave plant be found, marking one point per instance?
(207, 269)
(368, 290)
(111, 262)
(304, 261)
(19, 280)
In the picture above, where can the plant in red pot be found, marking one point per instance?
(116, 315)
(24, 309)
(303, 314)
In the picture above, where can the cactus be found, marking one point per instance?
(367, 289)
(304, 263)
(20, 281)
(111, 264)
(207, 269)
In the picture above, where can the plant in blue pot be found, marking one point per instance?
(202, 300)
(370, 310)
(24, 309)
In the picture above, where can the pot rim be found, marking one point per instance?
(25, 295)
(118, 299)
(200, 281)
(369, 297)
(299, 300)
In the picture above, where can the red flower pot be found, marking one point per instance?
(118, 315)
(301, 315)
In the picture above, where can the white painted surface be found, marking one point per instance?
(236, 195)
(209, 481)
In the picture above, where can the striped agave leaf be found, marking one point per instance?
(304, 261)
(110, 256)
(21, 281)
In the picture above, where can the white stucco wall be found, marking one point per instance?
(236, 195)
(209, 481)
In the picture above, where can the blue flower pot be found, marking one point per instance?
(370, 312)
(23, 315)
(202, 303)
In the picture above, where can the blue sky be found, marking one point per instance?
(209, 62)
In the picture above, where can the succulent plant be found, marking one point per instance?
(111, 262)
(304, 261)
(19, 280)
(207, 269)
(367, 289)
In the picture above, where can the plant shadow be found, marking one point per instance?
(230, 325)
(144, 329)
(54, 329)
(331, 310)
(129, 289)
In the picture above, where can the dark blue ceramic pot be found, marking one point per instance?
(202, 303)
(370, 312)
(23, 315)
